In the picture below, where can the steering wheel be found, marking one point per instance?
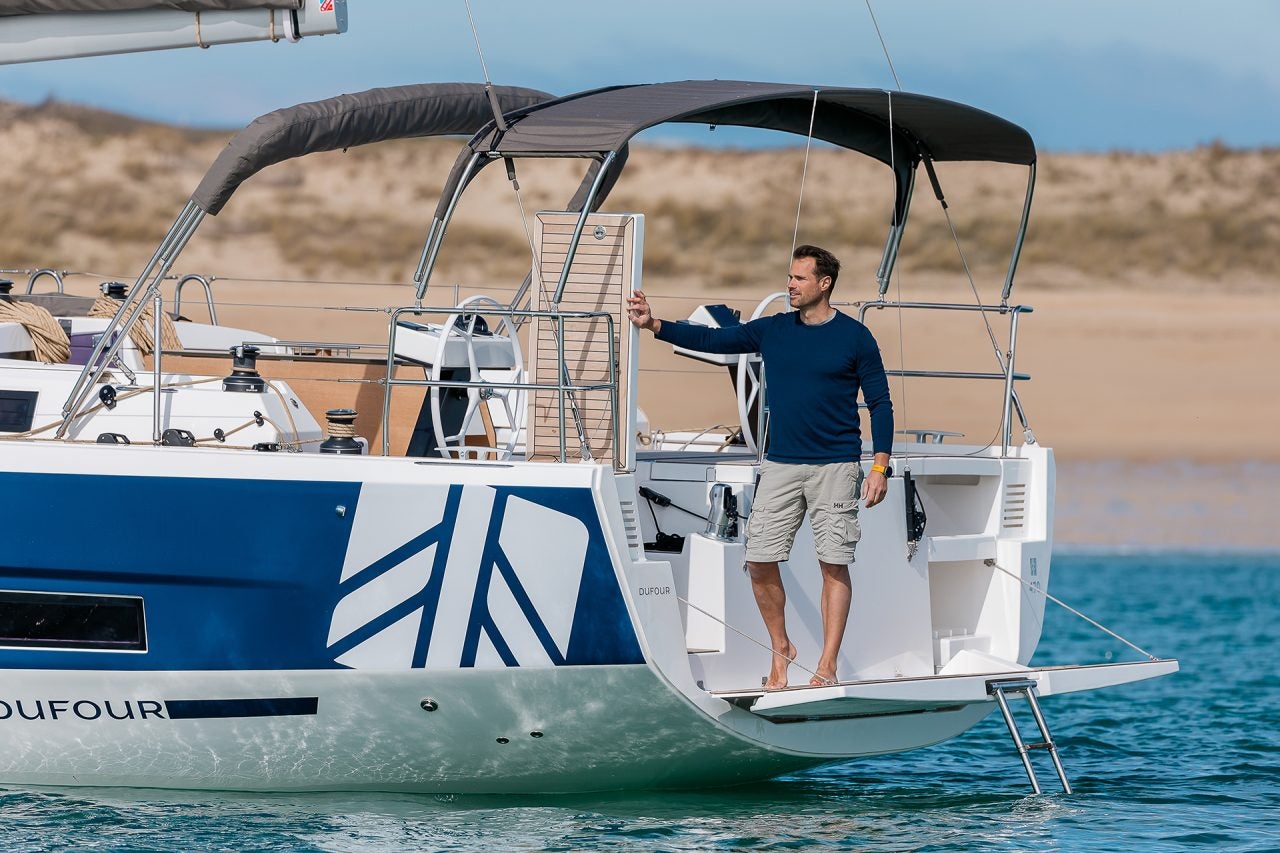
(461, 326)
(751, 377)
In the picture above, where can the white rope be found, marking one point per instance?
(993, 564)
(337, 430)
(804, 173)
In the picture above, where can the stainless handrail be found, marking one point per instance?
(1011, 401)
(955, 374)
(157, 316)
(206, 283)
(56, 275)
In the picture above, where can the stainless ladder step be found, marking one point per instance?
(1026, 687)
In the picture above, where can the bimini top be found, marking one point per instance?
(429, 109)
(604, 120)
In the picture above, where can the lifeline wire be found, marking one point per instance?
(747, 636)
(1058, 601)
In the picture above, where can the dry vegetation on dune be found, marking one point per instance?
(85, 189)
(91, 191)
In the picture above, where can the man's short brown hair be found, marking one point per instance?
(824, 263)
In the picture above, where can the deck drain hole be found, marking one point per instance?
(504, 741)
(535, 734)
(428, 704)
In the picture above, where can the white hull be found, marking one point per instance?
(196, 709)
(603, 728)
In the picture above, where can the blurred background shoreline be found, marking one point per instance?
(1152, 348)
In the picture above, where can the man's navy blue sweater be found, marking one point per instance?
(814, 373)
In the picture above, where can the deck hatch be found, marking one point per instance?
(70, 621)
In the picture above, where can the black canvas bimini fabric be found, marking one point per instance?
(605, 120)
(436, 109)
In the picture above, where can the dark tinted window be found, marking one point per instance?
(17, 410)
(65, 621)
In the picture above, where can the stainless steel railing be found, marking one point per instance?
(565, 390)
(1007, 374)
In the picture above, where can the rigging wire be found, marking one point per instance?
(964, 261)
(556, 328)
(883, 46)
(897, 278)
(484, 69)
(804, 172)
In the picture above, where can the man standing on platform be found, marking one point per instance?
(816, 359)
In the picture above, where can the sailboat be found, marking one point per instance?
(498, 579)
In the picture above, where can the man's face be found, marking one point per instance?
(804, 287)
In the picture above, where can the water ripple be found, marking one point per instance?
(1190, 762)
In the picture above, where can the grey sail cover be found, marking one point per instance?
(400, 112)
(42, 7)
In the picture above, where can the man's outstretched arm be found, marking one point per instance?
(734, 339)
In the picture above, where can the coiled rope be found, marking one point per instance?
(50, 342)
(140, 333)
(342, 430)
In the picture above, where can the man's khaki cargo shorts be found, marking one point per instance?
(829, 492)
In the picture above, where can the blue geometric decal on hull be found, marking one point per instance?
(249, 574)
(593, 624)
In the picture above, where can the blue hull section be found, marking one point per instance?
(239, 574)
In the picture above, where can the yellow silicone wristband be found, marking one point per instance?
(880, 469)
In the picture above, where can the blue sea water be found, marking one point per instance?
(1186, 762)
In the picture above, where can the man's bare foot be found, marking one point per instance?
(824, 674)
(778, 671)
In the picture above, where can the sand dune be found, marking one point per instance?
(1153, 277)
